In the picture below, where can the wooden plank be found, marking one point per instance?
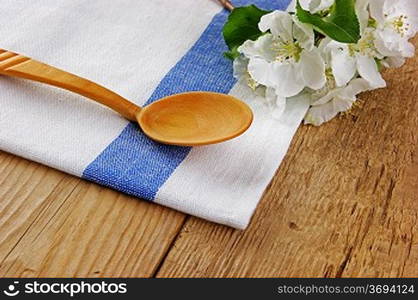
(53, 224)
(343, 203)
(26, 189)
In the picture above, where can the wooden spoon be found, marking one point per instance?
(188, 119)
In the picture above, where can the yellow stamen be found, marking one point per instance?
(251, 82)
(364, 46)
(400, 24)
(287, 51)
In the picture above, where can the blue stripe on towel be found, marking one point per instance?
(134, 164)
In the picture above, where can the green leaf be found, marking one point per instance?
(341, 24)
(379, 64)
(242, 25)
(232, 54)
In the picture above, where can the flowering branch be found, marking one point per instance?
(328, 50)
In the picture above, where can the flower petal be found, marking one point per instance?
(292, 6)
(336, 101)
(408, 8)
(394, 62)
(313, 6)
(327, 97)
(408, 49)
(284, 78)
(390, 43)
(325, 50)
(261, 70)
(317, 115)
(319, 5)
(377, 10)
(383, 42)
(355, 87)
(304, 34)
(368, 70)
(305, 4)
(262, 47)
(281, 76)
(343, 65)
(279, 23)
(240, 66)
(362, 13)
(312, 68)
(276, 103)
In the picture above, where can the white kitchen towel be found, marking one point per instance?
(143, 50)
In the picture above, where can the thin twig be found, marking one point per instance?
(227, 4)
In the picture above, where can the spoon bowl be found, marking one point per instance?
(195, 118)
(187, 119)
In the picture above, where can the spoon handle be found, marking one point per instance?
(16, 65)
(227, 4)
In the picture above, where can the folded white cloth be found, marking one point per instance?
(142, 50)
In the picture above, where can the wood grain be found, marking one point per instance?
(344, 202)
(26, 190)
(52, 224)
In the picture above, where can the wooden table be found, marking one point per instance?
(343, 203)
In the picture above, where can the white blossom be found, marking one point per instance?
(285, 59)
(396, 22)
(260, 93)
(289, 59)
(348, 60)
(332, 100)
